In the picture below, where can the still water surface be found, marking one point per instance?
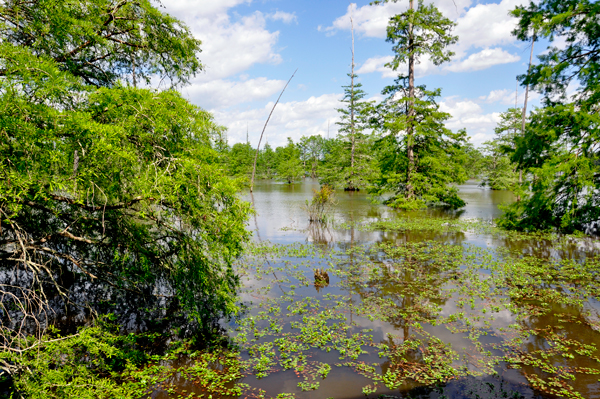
(281, 217)
(489, 337)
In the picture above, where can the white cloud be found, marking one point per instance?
(284, 17)
(371, 21)
(315, 115)
(377, 64)
(187, 9)
(468, 114)
(228, 47)
(458, 108)
(483, 26)
(484, 59)
(498, 96)
(486, 25)
(219, 93)
(507, 97)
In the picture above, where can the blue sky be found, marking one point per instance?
(251, 48)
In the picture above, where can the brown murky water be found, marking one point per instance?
(520, 313)
(282, 219)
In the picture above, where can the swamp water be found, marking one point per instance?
(430, 304)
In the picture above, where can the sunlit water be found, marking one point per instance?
(281, 218)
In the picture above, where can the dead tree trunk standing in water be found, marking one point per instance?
(524, 114)
(410, 128)
(352, 128)
(263, 131)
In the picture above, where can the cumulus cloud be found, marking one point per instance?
(284, 17)
(377, 64)
(189, 9)
(220, 93)
(315, 115)
(486, 25)
(228, 47)
(372, 20)
(498, 96)
(507, 97)
(484, 59)
(483, 26)
(468, 114)
(459, 108)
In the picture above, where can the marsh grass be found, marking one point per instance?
(319, 207)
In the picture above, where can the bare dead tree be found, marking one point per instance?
(524, 114)
(263, 131)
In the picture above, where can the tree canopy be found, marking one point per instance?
(102, 42)
(104, 181)
(419, 152)
(559, 149)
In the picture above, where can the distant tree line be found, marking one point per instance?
(549, 158)
(327, 160)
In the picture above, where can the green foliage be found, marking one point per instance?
(440, 153)
(336, 169)
(350, 164)
(499, 172)
(320, 205)
(266, 164)
(100, 41)
(419, 156)
(311, 153)
(289, 165)
(240, 159)
(94, 363)
(472, 160)
(423, 31)
(575, 22)
(115, 185)
(559, 150)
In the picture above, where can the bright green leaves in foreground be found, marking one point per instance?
(101, 41)
(125, 186)
(560, 152)
(109, 195)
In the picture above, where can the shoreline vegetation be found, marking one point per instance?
(127, 267)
